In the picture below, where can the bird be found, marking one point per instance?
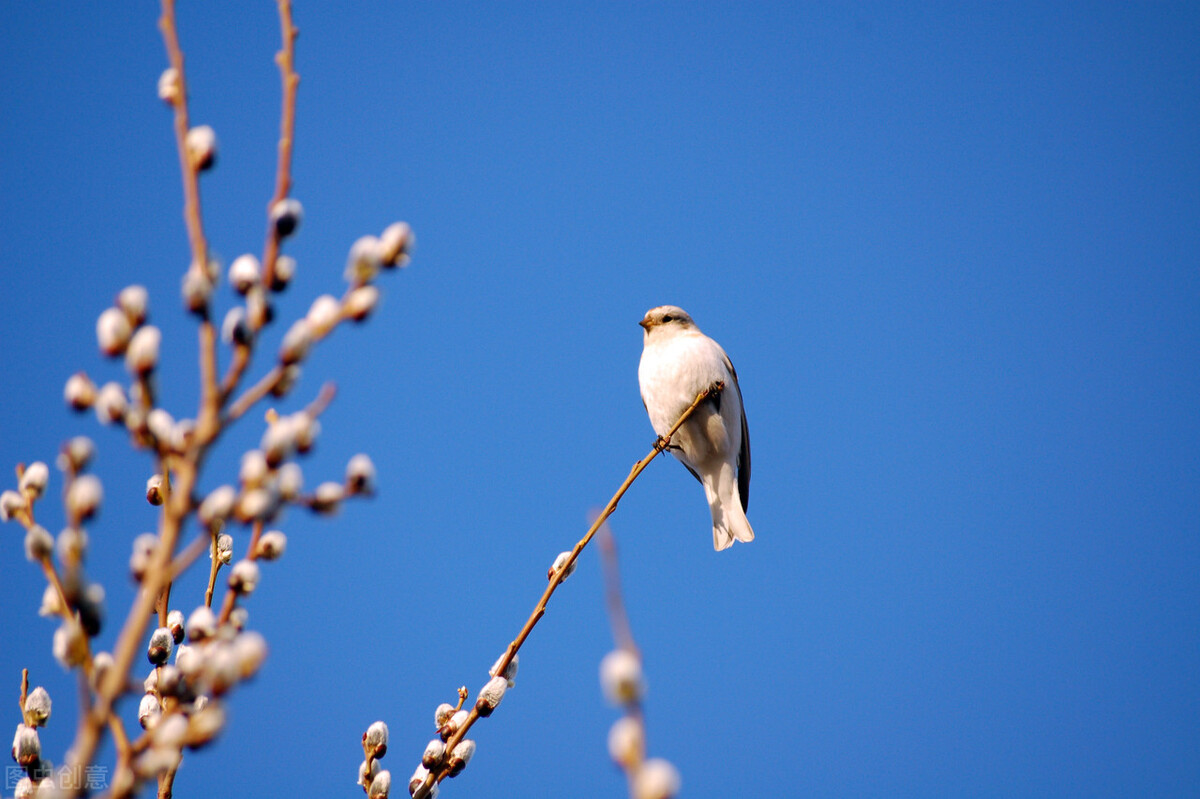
(678, 362)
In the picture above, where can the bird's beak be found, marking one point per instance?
(645, 323)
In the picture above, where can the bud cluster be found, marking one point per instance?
(623, 685)
(376, 782)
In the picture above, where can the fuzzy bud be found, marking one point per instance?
(11, 503)
(396, 244)
(111, 403)
(460, 755)
(249, 652)
(442, 714)
(235, 329)
(201, 143)
(286, 216)
(457, 719)
(381, 785)
(204, 724)
(244, 577)
(161, 643)
(51, 604)
(70, 644)
(626, 742)
(296, 342)
(175, 624)
(154, 493)
(133, 302)
(224, 549)
(113, 332)
(160, 424)
(37, 707)
(197, 289)
(375, 739)
(257, 504)
(143, 550)
(290, 481)
(364, 261)
(435, 753)
(238, 618)
(418, 779)
(490, 695)
(244, 273)
(360, 475)
(323, 315)
(360, 302)
(254, 469)
(559, 563)
(71, 544)
(287, 381)
(327, 498)
(34, 479)
(201, 625)
(168, 85)
(510, 672)
(39, 544)
(80, 391)
(285, 270)
(217, 506)
(621, 677)
(84, 496)
(141, 357)
(26, 748)
(366, 773)
(656, 779)
(271, 545)
(76, 454)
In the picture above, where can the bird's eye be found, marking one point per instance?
(668, 318)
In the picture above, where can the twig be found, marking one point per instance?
(286, 59)
(558, 576)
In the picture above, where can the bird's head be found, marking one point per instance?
(666, 317)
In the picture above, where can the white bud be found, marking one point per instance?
(244, 577)
(201, 143)
(51, 606)
(360, 302)
(460, 755)
(37, 707)
(278, 440)
(442, 714)
(25, 789)
(175, 624)
(190, 661)
(290, 481)
(205, 723)
(133, 302)
(254, 469)
(113, 331)
(34, 479)
(11, 503)
(626, 742)
(201, 626)
(224, 549)
(656, 779)
(271, 545)
(181, 434)
(360, 475)
(26, 748)
(160, 423)
(286, 216)
(621, 677)
(510, 673)
(111, 403)
(375, 740)
(418, 779)
(559, 562)
(296, 342)
(396, 244)
(367, 773)
(364, 261)
(71, 544)
(84, 496)
(323, 315)
(381, 785)
(154, 493)
(285, 270)
(257, 504)
(161, 644)
(244, 273)
(306, 429)
(435, 753)
(170, 731)
(80, 391)
(76, 454)
(143, 550)
(217, 506)
(235, 329)
(238, 618)
(249, 652)
(490, 695)
(38, 543)
(327, 498)
(168, 85)
(197, 289)
(455, 723)
(142, 355)
(70, 644)
(287, 380)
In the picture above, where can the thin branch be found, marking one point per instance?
(622, 632)
(559, 575)
(286, 59)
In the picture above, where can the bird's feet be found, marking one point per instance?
(662, 444)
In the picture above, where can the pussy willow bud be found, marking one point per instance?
(249, 652)
(257, 504)
(375, 739)
(170, 732)
(217, 506)
(70, 644)
(34, 479)
(490, 696)
(287, 381)
(141, 357)
(364, 261)
(159, 423)
(143, 550)
(435, 753)
(160, 647)
(510, 672)
(197, 289)
(621, 677)
(76, 454)
(168, 85)
(244, 273)
(113, 331)
(84, 496)
(175, 624)
(306, 429)
(626, 742)
(111, 403)
(367, 772)
(323, 315)
(296, 342)
(460, 755)
(238, 618)
(154, 494)
(361, 302)
(290, 481)
(417, 779)
(133, 302)
(286, 216)
(396, 244)
(201, 625)
(38, 543)
(457, 719)
(656, 779)
(201, 143)
(51, 604)
(37, 707)
(71, 544)
(235, 329)
(360, 475)
(204, 724)
(443, 713)
(244, 577)
(11, 503)
(26, 748)
(559, 562)
(80, 391)
(254, 469)
(285, 270)
(225, 549)
(381, 785)
(327, 498)
(271, 545)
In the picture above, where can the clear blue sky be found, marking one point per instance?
(952, 249)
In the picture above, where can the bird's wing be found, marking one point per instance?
(744, 453)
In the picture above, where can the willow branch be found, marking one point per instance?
(286, 59)
(560, 574)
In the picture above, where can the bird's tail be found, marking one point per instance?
(729, 517)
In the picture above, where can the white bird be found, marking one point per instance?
(678, 362)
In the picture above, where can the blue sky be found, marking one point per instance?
(952, 250)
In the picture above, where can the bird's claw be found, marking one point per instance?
(716, 388)
(661, 444)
